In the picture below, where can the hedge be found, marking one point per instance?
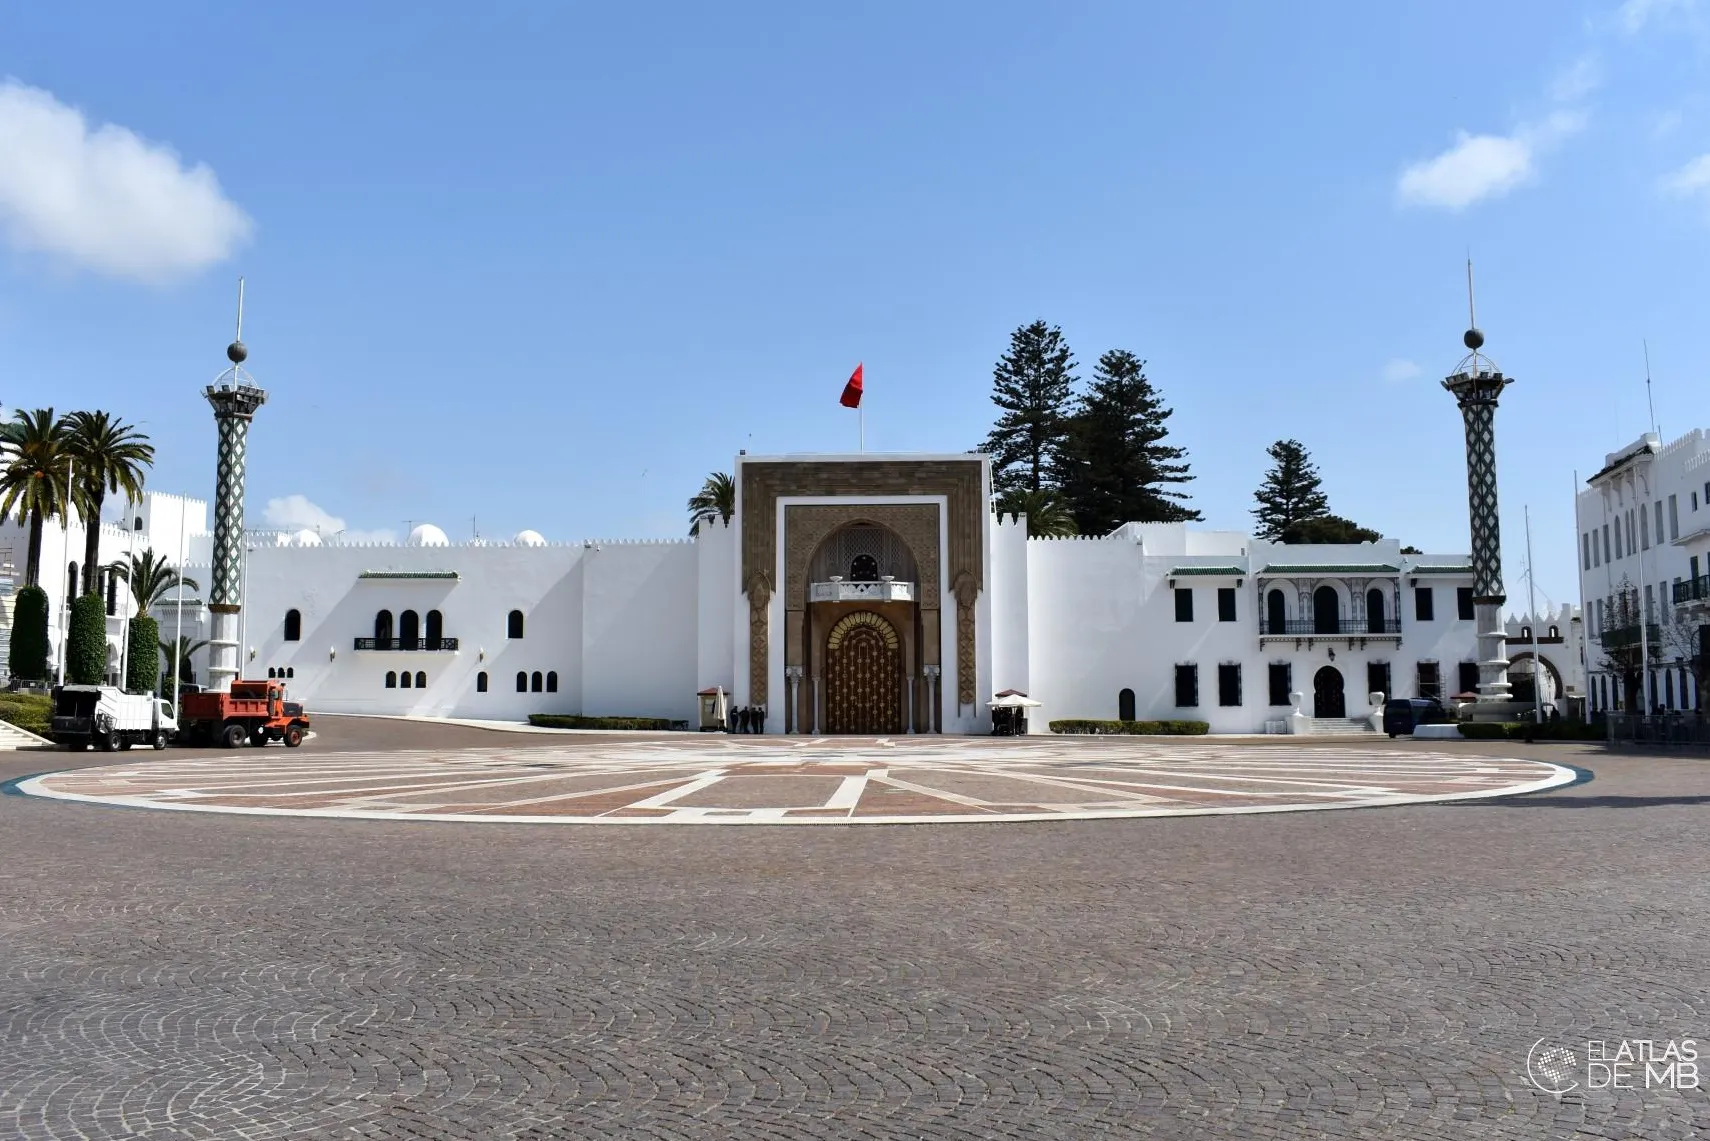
(31, 711)
(1138, 728)
(142, 655)
(86, 641)
(568, 721)
(29, 657)
(1521, 730)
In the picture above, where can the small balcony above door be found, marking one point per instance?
(879, 590)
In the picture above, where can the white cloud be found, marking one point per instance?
(1634, 15)
(1580, 79)
(300, 513)
(1399, 370)
(1484, 166)
(1691, 180)
(104, 198)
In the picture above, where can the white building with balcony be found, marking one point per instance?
(866, 594)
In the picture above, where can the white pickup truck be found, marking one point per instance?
(110, 718)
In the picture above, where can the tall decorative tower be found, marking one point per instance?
(235, 397)
(1477, 386)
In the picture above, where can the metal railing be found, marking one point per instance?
(408, 644)
(1342, 627)
(1685, 730)
(1692, 590)
(863, 591)
(1620, 637)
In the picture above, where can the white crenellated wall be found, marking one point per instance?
(1011, 657)
(716, 614)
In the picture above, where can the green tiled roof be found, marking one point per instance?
(1440, 570)
(1330, 568)
(1179, 571)
(409, 574)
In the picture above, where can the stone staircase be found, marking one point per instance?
(1341, 726)
(12, 737)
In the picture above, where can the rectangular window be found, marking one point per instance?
(1187, 686)
(1605, 542)
(1659, 523)
(1650, 604)
(1429, 684)
(1597, 623)
(1377, 678)
(1229, 684)
(1184, 604)
(1281, 682)
(1585, 548)
(1468, 678)
(1692, 566)
(1673, 519)
(1618, 537)
(1226, 604)
(1464, 603)
(1645, 527)
(1424, 606)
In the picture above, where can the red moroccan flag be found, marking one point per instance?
(852, 391)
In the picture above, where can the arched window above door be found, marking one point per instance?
(293, 626)
(514, 624)
(1276, 613)
(1125, 705)
(383, 630)
(1326, 610)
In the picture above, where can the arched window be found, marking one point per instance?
(1326, 611)
(293, 626)
(534, 682)
(290, 671)
(383, 630)
(404, 680)
(71, 590)
(421, 679)
(1525, 633)
(864, 568)
(1276, 614)
(435, 629)
(1125, 705)
(270, 672)
(1374, 611)
(1555, 632)
(514, 625)
(137, 525)
(481, 682)
(409, 631)
(112, 593)
(391, 679)
(522, 681)
(552, 682)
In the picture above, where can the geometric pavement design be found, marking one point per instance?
(721, 780)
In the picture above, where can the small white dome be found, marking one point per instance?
(529, 539)
(426, 535)
(307, 538)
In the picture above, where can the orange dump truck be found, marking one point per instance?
(254, 711)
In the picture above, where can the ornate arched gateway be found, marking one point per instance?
(863, 676)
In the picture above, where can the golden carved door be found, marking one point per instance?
(863, 676)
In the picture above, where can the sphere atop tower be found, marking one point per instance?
(426, 535)
(1473, 339)
(236, 352)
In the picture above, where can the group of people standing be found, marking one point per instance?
(746, 719)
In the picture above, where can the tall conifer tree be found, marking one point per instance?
(1291, 492)
(1115, 467)
(1034, 385)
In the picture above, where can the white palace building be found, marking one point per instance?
(871, 594)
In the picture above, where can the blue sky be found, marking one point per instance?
(548, 265)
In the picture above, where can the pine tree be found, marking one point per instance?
(1034, 384)
(1291, 491)
(1328, 529)
(1115, 467)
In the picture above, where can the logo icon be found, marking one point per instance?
(1552, 1069)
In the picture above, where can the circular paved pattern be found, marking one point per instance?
(818, 781)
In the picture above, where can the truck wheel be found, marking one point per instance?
(258, 737)
(105, 743)
(234, 736)
(293, 737)
(159, 741)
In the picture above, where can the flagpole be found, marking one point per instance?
(65, 557)
(861, 418)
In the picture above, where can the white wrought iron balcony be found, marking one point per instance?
(884, 590)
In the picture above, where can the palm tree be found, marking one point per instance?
(151, 578)
(35, 475)
(110, 455)
(715, 499)
(182, 666)
(1048, 517)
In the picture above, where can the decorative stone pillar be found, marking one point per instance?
(934, 698)
(234, 397)
(1477, 386)
(792, 674)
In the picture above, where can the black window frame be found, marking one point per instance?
(1187, 685)
(293, 625)
(1184, 604)
(1283, 672)
(1465, 609)
(481, 682)
(1467, 671)
(1432, 689)
(1229, 684)
(515, 625)
(1424, 604)
(1226, 604)
(1379, 679)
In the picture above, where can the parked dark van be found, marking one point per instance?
(1401, 714)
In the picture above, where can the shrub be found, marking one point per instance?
(86, 641)
(142, 656)
(29, 657)
(29, 711)
(1485, 730)
(569, 721)
(1521, 730)
(1135, 728)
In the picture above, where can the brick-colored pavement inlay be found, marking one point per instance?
(802, 781)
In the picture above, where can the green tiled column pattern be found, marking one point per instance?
(233, 409)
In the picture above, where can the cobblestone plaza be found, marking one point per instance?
(1373, 973)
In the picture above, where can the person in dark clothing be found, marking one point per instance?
(759, 718)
